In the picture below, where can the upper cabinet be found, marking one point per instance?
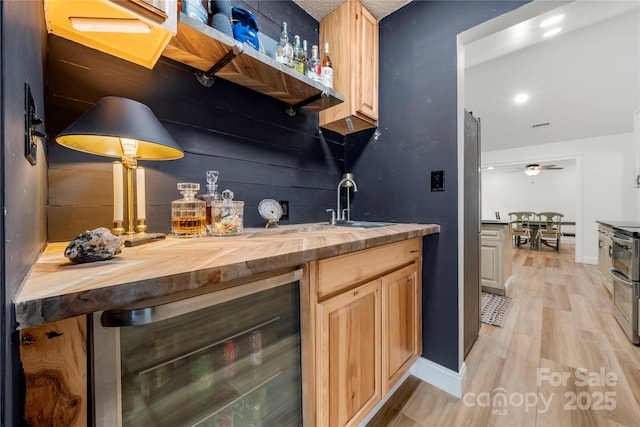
(134, 30)
(352, 34)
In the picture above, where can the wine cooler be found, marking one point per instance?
(228, 358)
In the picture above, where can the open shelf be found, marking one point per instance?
(203, 47)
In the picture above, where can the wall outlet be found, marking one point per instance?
(437, 180)
(285, 209)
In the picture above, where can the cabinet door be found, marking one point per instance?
(490, 266)
(348, 368)
(400, 324)
(366, 77)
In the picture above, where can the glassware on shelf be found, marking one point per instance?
(327, 68)
(284, 49)
(188, 215)
(314, 66)
(227, 215)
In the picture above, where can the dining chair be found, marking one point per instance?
(549, 229)
(521, 227)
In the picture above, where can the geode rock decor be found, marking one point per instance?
(94, 245)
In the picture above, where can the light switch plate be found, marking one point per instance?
(437, 180)
(285, 209)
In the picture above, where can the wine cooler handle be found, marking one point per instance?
(137, 316)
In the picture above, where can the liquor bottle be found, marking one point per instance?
(297, 49)
(327, 68)
(284, 50)
(302, 64)
(188, 214)
(314, 66)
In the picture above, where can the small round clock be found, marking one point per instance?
(270, 210)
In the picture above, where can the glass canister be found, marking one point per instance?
(227, 215)
(188, 214)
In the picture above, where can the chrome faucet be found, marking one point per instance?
(341, 213)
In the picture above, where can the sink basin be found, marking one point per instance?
(363, 224)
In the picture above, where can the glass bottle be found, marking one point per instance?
(284, 50)
(302, 64)
(314, 65)
(296, 52)
(327, 68)
(210, 197)
(188, 214)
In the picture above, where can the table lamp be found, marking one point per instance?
(125, 129)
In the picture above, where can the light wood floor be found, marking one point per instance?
(561, 322)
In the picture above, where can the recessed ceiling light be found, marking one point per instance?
(490, 168)
(552, 32)
(551, 21)
(521, 98)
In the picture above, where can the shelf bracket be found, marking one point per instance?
(206, 78)
(291, 110)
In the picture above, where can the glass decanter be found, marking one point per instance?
(188, 215)
(212, 196)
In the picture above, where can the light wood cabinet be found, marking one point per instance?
(368, 310)
(401, 325)
(349, 356)
(352, 34)
(495, 257)
(605, 261)
(157, 18)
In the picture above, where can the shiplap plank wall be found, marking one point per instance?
(259, 150)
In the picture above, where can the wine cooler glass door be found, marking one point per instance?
(236, 362)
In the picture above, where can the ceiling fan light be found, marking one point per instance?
(532, 169)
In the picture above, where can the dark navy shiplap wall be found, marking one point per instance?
(259, 150)
(418, 134)
(24, 186)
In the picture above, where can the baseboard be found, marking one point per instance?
(380, 404)
(429, 372)
(439, 376)
(589, 260)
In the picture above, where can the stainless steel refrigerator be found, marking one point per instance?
(471, 230)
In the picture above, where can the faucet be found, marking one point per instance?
(341, 213)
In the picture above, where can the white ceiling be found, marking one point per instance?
(378, 8)
(584, 82)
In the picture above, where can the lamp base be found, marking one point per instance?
(142, 238)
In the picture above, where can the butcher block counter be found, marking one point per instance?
(57, 289)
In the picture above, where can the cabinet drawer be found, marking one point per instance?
(334, 274)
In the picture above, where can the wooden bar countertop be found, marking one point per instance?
(57, 289)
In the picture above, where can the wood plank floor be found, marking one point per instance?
(560, 360)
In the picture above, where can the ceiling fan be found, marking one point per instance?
(534, 168)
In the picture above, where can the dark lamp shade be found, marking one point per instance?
(98, 131)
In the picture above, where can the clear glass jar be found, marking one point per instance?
(188, 214)
(227, 215)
